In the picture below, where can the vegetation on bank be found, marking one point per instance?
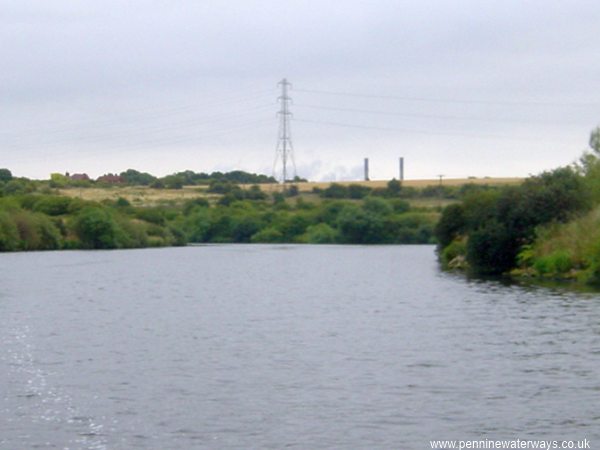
(549, 226)
(33, 216)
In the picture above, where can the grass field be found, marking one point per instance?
(142, 195)
(308, 187)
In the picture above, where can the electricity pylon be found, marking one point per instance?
(285, 149)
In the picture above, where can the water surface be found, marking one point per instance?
(309, 347)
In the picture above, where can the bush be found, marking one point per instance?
(491, 249)
(400, 206)
(357, 226)
(197, 226)
(9, 234)
(335, 191)
(96, 228)
(5, 175)
(151, 215)
(455, 250)
(377, 206)
(357, 191)
(52, 205)
(320, 233)
(36, 232)
(192, 204)
(451, 225)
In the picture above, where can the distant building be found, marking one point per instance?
(110, 179)
(80, 177)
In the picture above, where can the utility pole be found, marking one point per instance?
(401, 169)
(285, 148)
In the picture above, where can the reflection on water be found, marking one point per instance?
(286, 346)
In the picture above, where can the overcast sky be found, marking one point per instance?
(459, 88)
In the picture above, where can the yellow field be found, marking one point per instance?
(308, 187)
(142, 195)
(138, 195)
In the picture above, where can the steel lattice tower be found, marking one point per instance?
(285, 149)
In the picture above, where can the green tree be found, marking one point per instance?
(357, 226)
(595, 140)
(9, 234)
(452, 224)
(96, 228)
(5, 175)
(320, 233)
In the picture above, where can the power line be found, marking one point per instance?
(421, 116)
(152, 143)
(426, 132)
(442, 100)
(131, 117)
(128, 132)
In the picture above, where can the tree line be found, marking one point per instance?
(44, 220)
(549, 226)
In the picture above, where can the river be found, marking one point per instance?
(282, 346)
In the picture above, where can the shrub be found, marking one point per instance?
(456, 249)
(335, 191)
(377, 206)
(491, 249)
(320, 233)
(357, 226)
(151, 215)
(452, 223)
(96, 228)
(52, 205)
(400, 206)
(36, 231)
(9, 234)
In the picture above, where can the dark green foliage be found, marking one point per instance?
(377, 206)
(400, 206)
(492, 248)
(151, 215)
(254, 193)
(190, 178)
(173, 181)
(9, 234)
(357, 191)
(96, 228)
(222, 187)
(52, 205)
(278, 198)
(5, 175)
(197, 225)
(36, 231)
(18, 186)
(451, 225)
(122, 203)
(268, 235)
(498, 223)
(357, 226)
(374, 221)
(293, 225)
(335, 191)
(244, 228)
(320, 233)
(191, 205)
(394, 187)
(49, 221)
(135, 178)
